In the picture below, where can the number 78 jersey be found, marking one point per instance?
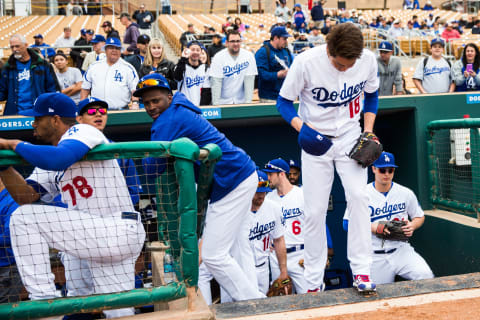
(98, 187)
(291, 214)
(330, 100)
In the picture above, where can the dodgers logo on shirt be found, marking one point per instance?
(237, 68)
(328, 99)
(261, 229)
(24, 75)
(196, 81)
(118, 76)
(387, 211)
(289, 213)
(434, 70)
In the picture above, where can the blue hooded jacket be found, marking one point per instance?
(43, 80)
(268, 83)
(183, 119)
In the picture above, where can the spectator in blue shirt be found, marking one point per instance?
(24, 77)
(299, 18)
(317, 14)
(428, 6)
(46, 50)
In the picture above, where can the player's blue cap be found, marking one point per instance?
(437, 40)
(313, 142)
(114, 42)
(52, 104)
(90, 102)
(154, 80)
(280, 32)
(385, 46)
(38, 36)
(263, 184)
(386, 160)
(293, 163)
(98, 38)
(277, 165)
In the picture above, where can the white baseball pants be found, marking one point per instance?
(111, 246)
(224, 238)
(318, 175)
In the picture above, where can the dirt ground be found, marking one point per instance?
(465, 309)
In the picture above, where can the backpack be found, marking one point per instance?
(425, 60)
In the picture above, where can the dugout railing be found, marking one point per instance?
(454, 165)
(175, 192)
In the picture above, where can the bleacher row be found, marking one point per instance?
(51, 27)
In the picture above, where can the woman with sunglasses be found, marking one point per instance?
(389, 201)
(156, 61)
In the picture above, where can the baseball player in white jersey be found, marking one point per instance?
(232, 73)
(265, 228)
(389, 201)
(112, 79)
(334, 82)
(290, 200)
(99, 225)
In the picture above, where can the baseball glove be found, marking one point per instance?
(278, 287)
(395, 229)
(367, 149)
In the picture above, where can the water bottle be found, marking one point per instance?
(168, 269)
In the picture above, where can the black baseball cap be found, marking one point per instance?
(143, 39)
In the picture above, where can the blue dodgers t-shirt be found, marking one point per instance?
(25, 100)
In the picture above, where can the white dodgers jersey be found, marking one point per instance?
(330, 100)
(400, 203)
(265, 226)
(232, 71)
(193, 81)
(292, 214)
(97, 187)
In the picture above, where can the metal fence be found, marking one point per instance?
(454, 165)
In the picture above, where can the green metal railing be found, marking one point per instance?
(182, 155)
(454, 183)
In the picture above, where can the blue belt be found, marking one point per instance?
(130, 215)
(385, 251)
(295, 248)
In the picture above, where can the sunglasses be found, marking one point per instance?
(263, 184)
(151, 83)
(93, 111)
(272, 166)
(385, 170)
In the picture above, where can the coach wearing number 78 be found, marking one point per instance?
(331, 81)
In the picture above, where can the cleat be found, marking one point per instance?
(363, 284)
(314, 290)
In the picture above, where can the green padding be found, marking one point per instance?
(453, 123)
(187, 208)
(45, 308)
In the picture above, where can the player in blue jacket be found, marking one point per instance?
(234, 184)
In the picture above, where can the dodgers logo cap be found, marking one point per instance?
(38, 36)
(98, 38)
(52, 104)
(277, 165)
(280, 32)
(437, 40)
(263, 184)
(386, 160)
(154, 80)
(313, 142)
(114, 42)
(293, 163)
(385, 46)
(90, 102)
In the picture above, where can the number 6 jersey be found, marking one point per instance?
(95, 186)
(291, 214)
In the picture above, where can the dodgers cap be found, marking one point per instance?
(52, 104)
(293, 163)
(114, 42)
(263, 184)
(437, 40)
(38, 36)
(277, 165)
(385, 46)
(143, 39)
(313, 142)
(280, 32)
(297, 5)
(386, 160)
(154, 80)
(90, 102)
(98, 38)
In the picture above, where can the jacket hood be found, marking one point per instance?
(34, 58)
(179, 99)
(133, 24)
